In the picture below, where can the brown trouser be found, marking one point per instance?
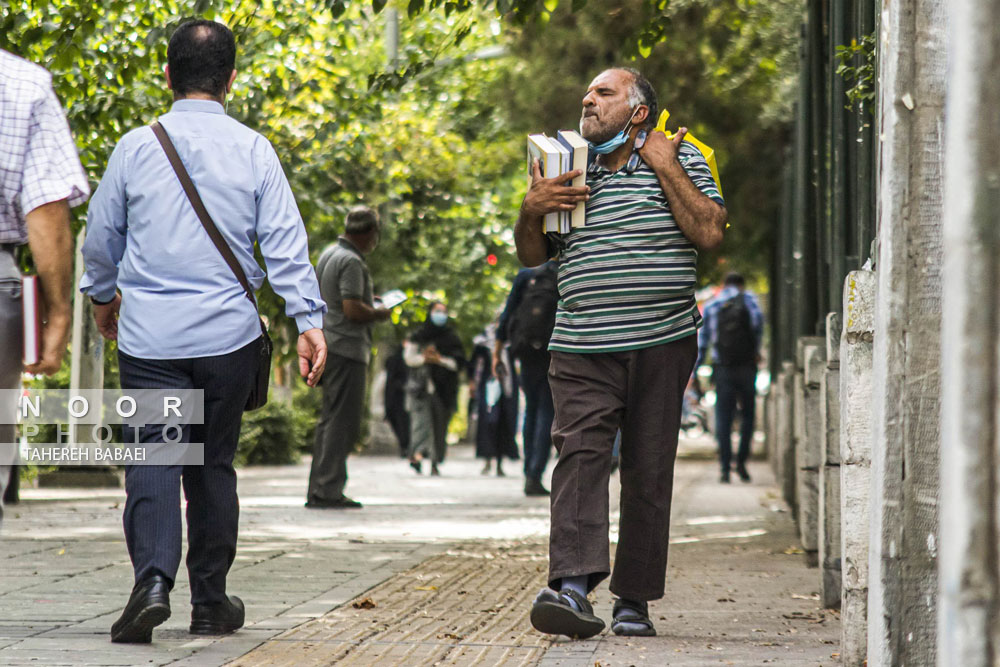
(639, 392)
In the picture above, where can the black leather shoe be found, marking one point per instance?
(343, 503)
(148, 606)
(220, 618)
(533, 487)
(743, 474)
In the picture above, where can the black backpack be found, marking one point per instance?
(735, 345)
(532, 322)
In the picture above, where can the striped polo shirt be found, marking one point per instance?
(627, 279)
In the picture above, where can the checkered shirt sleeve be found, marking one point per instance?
(38, 159)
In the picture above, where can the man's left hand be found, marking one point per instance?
(311, 347)
(659, 152)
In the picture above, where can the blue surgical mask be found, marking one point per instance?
(614, 142)
(439, 319)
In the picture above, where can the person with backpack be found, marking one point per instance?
(734, 328)
(526, 326)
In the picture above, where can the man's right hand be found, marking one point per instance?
(107, 317)
(55, 331)
(547, 195)
(311, 348)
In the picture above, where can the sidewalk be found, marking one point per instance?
(431, 571)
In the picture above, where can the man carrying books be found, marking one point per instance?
(623, 347)
(40, 179)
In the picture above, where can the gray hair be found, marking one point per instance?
(361, 220)
(641, 91)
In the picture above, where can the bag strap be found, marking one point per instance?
(202, 212)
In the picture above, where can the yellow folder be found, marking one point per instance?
(706, 151)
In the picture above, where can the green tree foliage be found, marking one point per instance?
(726, 69)
(434, 139)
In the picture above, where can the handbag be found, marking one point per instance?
(258, 393)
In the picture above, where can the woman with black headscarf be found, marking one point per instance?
(434, 354)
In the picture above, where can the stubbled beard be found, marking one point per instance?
(603, 131)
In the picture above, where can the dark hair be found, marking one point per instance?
(201, 56)
(361, 220)
(734, 278)
(641, 92)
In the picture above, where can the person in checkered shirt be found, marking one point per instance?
(40, 180)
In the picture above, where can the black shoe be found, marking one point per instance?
(630, 613)
(221, 618)
(743, 474)
(533, 487)
(553, 614)
(415, 464)
(148, 606)
(344, 503)
(724, 478)
(434, 470)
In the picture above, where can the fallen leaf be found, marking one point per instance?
(814, 597)
(793, 550)
(62, 551)
(367, 603)
(426, 588)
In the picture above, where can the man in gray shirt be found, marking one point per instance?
(346, 286)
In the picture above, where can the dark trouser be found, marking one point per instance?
(152, 516)
(399, 419)
(595, 394)
(10, 360)
(429, 419)
(734, 386)
(537, 416)
(339, 427)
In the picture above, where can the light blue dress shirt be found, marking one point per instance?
(179, 297)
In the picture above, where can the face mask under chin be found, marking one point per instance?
(616, 141)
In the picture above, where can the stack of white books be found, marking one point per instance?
(565, 152)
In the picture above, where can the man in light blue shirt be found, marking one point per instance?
(182, 320)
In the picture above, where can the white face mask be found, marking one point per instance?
(439, 319)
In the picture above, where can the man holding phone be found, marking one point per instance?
(346, 286)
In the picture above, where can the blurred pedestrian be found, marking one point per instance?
(188, 314)
(40, 180)
(395, 399)
(496, 399)
(623, 347)
(734, 330)
(346, 285)
(526, 327)
(435, 356)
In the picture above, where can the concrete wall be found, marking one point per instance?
(969, 609)
(829, 474)
(783, 450)
(809, 440)
(906, 391)
(855, 461)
